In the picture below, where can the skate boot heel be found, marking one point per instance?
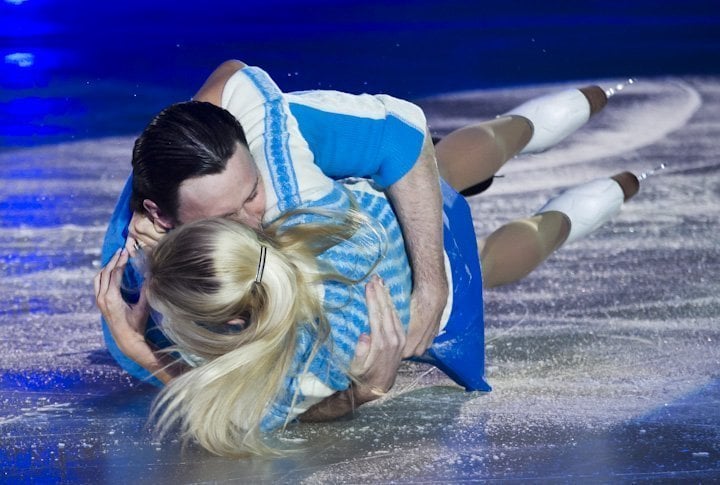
(629, 184)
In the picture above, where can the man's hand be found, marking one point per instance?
(426, 308)
(377, 357)
(142, 232)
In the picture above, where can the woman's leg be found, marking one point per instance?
(473, 154)
(513, 251)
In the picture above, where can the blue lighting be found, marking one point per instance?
(22, 59)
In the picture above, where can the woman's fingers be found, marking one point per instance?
(96, 284)
(143, 232)
(389, 323)
(110, 277)
(125, 322)
(116, 272)
(387, 336)
(100, 282)
(359, 364)
(106, 272)
(132, 246)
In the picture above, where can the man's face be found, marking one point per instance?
(236, 193)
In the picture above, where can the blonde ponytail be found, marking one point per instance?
(202, 277)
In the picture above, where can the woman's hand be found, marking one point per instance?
(143, 232)
(378, 355)
(126, 322)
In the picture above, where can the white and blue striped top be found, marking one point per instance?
(294, 181)
(344, 304)
(299, 140)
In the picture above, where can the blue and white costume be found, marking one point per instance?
(295, 140)
(458, 350)
(299, 140)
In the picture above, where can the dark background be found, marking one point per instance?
(99, 68)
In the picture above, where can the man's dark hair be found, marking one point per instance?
(184, 141)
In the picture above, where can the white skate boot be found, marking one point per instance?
(592, 204)
(556, 116)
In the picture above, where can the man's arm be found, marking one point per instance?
(338, 405)
(418, 205)
(211, 91)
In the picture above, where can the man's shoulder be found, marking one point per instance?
(338, 102)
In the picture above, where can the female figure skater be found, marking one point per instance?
(273, 318)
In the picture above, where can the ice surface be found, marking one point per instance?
(604, 362)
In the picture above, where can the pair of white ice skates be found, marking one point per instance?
(554, 117)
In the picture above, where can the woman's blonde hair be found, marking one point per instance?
(202, 276)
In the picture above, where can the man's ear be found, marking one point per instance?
(157, 216)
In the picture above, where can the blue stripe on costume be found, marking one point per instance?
(277, 151)
(328, 135)
(384, 149)
(402, 143)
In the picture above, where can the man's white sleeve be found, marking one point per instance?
(281, 153)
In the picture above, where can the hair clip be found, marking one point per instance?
(261, 264)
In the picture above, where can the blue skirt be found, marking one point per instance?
(459, 351)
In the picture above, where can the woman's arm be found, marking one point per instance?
(127, 322)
